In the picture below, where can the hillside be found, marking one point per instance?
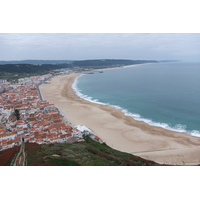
(88, 153)
(34, 62)
(12, 70)
(41, 68)
(109, 62)
(8, 156)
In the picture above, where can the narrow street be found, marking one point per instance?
(20, 159)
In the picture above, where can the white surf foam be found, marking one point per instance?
(178, 128)
(81, 95)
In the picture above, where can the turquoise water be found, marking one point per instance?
(162, 94)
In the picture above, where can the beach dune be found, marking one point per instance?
(119, 131)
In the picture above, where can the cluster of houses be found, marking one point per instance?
(24, 116)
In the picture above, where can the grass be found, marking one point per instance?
(8, 156)
(88, 153)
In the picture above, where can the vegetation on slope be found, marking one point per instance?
(8, 156)
(88, 153)
(109, 62)
(22, 70)
(34, 62)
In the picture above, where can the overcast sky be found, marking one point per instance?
(79, 46)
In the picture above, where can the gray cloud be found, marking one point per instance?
(99, 45)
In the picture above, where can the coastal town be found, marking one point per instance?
(26, 117)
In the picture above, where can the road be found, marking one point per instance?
(38, 85)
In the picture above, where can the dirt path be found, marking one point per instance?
(20, 159)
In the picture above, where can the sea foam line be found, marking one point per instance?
(178, 127)
(81, 95)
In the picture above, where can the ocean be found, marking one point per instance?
(166, 95)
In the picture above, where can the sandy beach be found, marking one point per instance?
(119, 131)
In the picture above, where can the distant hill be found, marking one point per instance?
(34, 62)
(109, 62)
(13, 71)
(97, 62)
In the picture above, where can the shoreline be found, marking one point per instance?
(136, 117)
(119, 131)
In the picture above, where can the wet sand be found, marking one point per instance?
(119, 131)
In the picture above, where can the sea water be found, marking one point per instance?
(166, 95)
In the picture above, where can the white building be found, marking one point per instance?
(3, 81)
